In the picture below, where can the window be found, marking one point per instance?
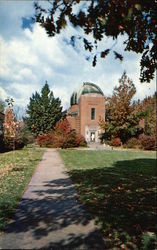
(92, 113)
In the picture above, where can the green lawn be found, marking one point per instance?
(16, 169)
(118, 187)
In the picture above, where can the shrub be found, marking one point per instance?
(69, 140)
(61, 137)
(63, 126)
(11, 143)
(80, 141)
(116, 142)
(16, 134)
(26, 136)
(20, 138)
(132, 143)
(45, 140)
(148, 142)
(2, 146)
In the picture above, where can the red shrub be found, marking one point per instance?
(62, 137)
(132, 143)
(80, 141)
(45, 140)
(63, 126)
(116, 142)
(148, 142)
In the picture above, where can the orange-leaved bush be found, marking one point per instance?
(116, 142)
(12, 131)
(45, 140)
(61, 137)
(148, 142)
(132, 143)
(10, 126)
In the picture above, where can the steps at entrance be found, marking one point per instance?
(98, 146)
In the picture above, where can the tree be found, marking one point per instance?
(2, 106)
(1, 123)
(121, 119)
(43, 111)
(9, 121)
(147, 109)
(11, 127)
(98, 19)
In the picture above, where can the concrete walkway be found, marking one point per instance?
(49, 214)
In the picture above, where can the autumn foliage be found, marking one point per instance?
(133, 143)
(147, 109)
(11, 130)
(121, 120)
(148, 142)
(128, 122)
(61, 137)
(15, 133)
(116, 142)
(10, 126)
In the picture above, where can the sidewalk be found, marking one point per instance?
(49, 214)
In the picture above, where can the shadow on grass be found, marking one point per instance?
(122, 199)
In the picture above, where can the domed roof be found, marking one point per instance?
(87, 88)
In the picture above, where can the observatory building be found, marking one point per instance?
(87, 106)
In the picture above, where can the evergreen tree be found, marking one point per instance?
(44, 111)
(121, 120)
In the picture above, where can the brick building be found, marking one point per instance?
(87, 107)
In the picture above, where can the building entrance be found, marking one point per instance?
(92, 137)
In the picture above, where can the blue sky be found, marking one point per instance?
(28, 57)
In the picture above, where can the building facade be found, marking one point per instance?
(87, 106)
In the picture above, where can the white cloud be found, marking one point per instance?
(144, 89)
(25, 73)
(46, 48)
(3, 94)
(15, 56)
(23, 92)
(63, 94)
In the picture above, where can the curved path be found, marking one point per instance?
(49, 214)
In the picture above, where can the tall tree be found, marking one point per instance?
(147, 109)
(98, 19)
(121, 120)
(43, 111)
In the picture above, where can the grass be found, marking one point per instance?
(16, 169)
(119, 189)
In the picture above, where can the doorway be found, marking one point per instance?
(92, 136)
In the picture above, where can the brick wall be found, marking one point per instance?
(79, 116)
(86, 103)
(74, 123)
